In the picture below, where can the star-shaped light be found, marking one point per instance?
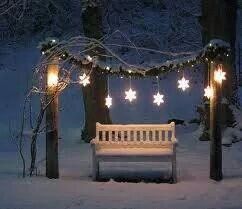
(158, 99)
(219, 75)
(84, 79)
(130, 95)
(108, 101)
(183, 84)
(208, 92)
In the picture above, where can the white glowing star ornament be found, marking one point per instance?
(183, 84)
(208, 92)
(84, 79)
(130, 95)
(219, 75)
(158, 99)
(108, 101)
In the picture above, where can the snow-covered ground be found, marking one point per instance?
(75, 189)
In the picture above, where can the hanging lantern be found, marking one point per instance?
(52, 75)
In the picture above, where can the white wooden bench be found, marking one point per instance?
(133, 143)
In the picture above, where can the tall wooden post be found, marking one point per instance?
(215, 129)
(52, 167)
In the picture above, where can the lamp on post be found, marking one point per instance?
(52, 165)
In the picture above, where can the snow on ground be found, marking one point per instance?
(75, 189)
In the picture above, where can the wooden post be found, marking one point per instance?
(52, 167)
(215, 129)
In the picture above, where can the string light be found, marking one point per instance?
(158, 98)
(89, 58)
(219, 75)
(211, 51)
(84, 79)
(208, 92)
(130, 94)
(183, 84)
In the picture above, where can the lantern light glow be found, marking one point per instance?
(52, 79)
(208, 92)
(219, 75)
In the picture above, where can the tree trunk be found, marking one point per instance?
(95, 93)
(219, 22)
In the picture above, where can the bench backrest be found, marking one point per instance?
(135, 133)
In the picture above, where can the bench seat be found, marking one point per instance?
(135, 152)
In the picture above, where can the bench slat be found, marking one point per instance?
(116, 135)
(128, 135)
(166, 136)
(146, 136)
(104, 135)
(110, 138)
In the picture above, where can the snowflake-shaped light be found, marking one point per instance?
(183, 84)
(84, 79)
(219, 75)
(108, 101)
(158, 99)
(208, 92)
(130, 95)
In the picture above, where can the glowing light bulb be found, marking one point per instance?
(89, 58)
(52, 79)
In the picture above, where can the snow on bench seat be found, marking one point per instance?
(134, 143)
(134, 151)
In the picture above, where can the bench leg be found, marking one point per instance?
(95, 170)
(174, 173)
(95, 164)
